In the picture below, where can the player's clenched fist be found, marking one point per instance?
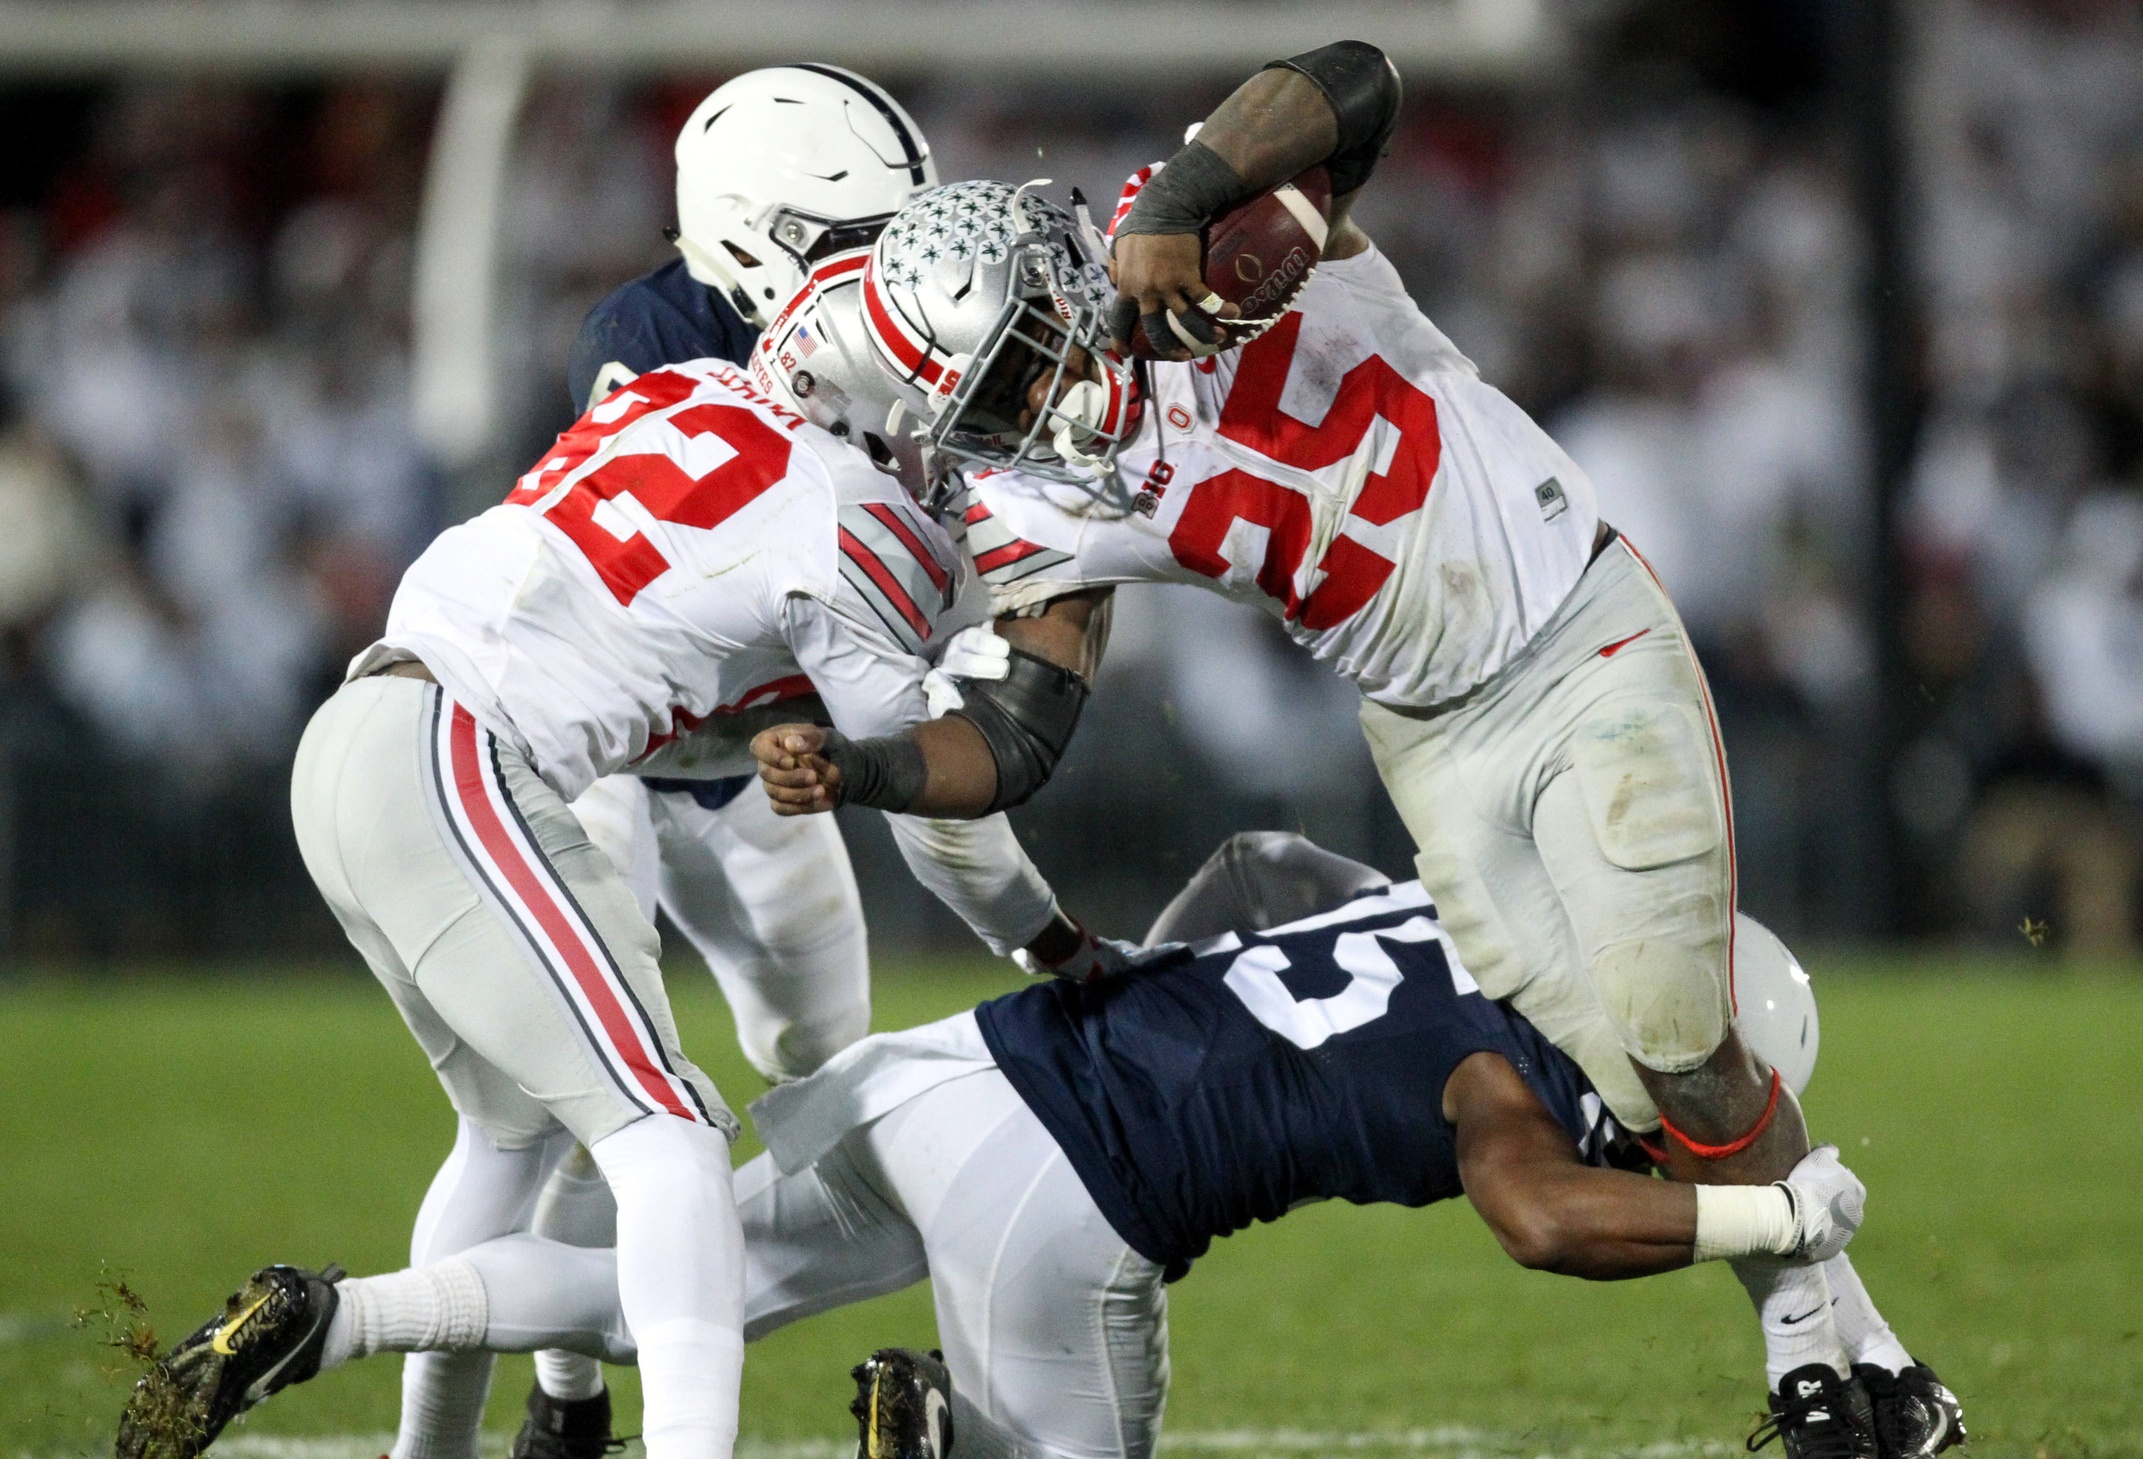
(799, 779)
(1158, 275)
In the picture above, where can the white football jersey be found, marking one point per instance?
(1348, 472)
(690, 551)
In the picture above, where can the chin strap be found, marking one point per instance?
(1721, 1152)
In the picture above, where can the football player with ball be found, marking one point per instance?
(1528, 692)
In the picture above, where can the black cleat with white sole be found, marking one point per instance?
(903, 1405)
(269, 1336)
(1816, 1414)
(1916, 1416)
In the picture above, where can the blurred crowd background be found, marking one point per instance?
(210, 481)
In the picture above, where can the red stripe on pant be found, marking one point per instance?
(552, 918)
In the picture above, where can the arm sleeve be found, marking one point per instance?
(1363, 88)
(872, 686)
(979, 869)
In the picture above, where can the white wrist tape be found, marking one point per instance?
(1745, 1220)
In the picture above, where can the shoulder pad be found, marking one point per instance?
(1001, 555)
(901, 564)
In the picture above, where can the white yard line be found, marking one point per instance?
(1451, 1441)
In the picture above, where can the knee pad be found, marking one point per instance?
(1669, 1002)
(1650, 779)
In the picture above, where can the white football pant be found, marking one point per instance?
(769, 902)
(1573, 823)
(1055, 1331)
(527, 974)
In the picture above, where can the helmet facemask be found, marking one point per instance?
(810, 240)
(1087, 411)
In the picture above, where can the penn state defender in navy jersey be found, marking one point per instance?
(1233, 1080)
(1343, 1052)
(660, 318)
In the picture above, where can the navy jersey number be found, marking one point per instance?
(1372, 975)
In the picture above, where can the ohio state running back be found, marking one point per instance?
(1294, 474)
(1530, 697)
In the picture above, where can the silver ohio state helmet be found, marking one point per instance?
(1774, 1006)
(785, 167)
(815, 358)
(976, 295)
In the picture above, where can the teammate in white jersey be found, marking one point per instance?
(689, 546)
(1529, 694)
(778, 170)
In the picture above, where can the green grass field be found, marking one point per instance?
(182, 1129)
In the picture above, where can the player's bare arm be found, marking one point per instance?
(1071, 632)
(1548, 1210)
(1553, 1212)
(1337, 101)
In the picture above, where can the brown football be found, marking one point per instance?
(1259, 254)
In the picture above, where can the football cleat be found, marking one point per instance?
(903, 1405)
(1916, 1416)
(566, 1428)
(1818, 1415)
(268, 1337)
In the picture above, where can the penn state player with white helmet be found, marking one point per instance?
(1528, 692)
(1301, 1030)
(778, 170)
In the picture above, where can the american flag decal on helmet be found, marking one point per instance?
(1001, 556)
(889, 558)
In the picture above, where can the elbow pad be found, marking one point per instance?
(1363, 88)
(1026, 718)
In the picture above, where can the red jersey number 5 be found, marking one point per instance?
(1348, 575)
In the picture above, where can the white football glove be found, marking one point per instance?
(976, 653)
(972, 653)
(1829, 1203)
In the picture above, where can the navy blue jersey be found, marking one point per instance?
(662, 318)
(1232, 1080)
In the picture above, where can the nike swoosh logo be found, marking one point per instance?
(1791, 1321)
(221, 1342)
(1622, 643)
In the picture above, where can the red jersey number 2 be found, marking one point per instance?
(1349, 574)
(744, 457)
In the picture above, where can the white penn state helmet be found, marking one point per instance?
(784, 167)
(1774, 1006)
